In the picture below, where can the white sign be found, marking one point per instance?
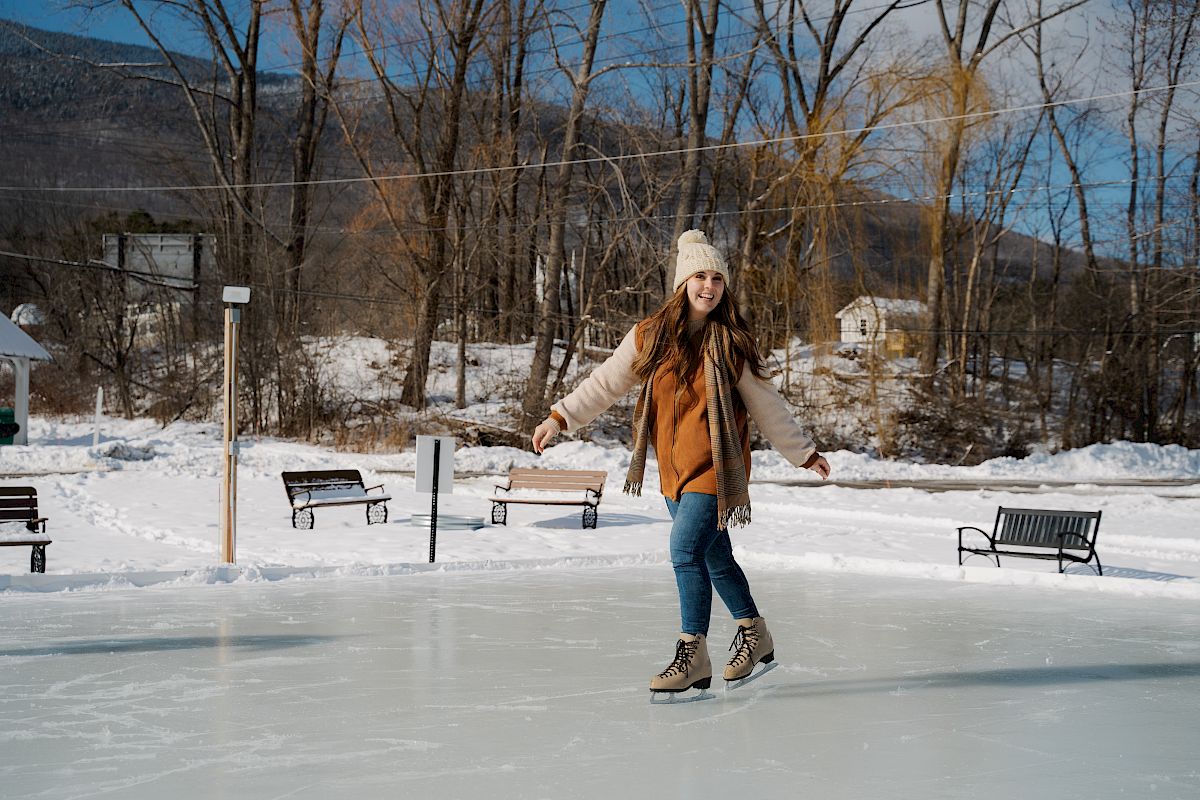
(425, 464)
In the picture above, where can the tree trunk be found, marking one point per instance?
(699, 82)
(533, 407)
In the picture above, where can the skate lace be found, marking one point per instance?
(744, 641)
(684, 652)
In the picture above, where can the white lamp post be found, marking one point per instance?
(233, 296)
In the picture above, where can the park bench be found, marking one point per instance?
(21, 525)
(332, 487)
(1063, 536)
(547, 487)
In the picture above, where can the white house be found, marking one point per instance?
(880, 321)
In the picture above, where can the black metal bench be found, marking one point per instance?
(1063, 536)
(587, 485)
(332, 487)
(19, 510)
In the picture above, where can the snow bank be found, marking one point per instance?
(141, 509)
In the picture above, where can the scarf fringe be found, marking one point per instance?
(633, 488)
(736, 517)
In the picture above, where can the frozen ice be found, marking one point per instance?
(533, 684)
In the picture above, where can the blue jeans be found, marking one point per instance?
(703, 560)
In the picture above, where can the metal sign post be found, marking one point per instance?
(437, 463)
(233, 297)
(432, 474)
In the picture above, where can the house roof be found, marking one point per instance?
(16, 343)
(885, 306)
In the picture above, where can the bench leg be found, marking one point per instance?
(37, 560)
(969, 553)
(376, 513)
(589, 517)
(302, 519)
(499, 513)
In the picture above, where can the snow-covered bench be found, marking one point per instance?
(21, 525)
(332, 487)
(547, 487)
(1065, 536)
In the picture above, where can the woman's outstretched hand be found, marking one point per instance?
(542, 435)
(820, 466)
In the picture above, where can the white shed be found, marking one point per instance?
(20, 348)
(879, 320)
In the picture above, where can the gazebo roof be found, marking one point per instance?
(16, 343)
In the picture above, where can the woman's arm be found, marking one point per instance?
(769, 411)
(607, 384)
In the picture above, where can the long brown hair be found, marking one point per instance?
(665, 340)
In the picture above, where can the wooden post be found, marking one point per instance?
(229, 472)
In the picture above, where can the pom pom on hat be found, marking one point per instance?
(696, 254)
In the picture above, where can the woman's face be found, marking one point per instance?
(704, 291)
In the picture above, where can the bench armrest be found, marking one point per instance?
(37, 522)
(295, 494)
(986, 535)
(595, 492)
(373, 488)
(1063, 536)
(503, 487)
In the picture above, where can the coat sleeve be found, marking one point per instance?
(770, 412)
(607, 384)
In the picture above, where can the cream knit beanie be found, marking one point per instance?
(695, 254)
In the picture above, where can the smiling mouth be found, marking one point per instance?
(705, 296)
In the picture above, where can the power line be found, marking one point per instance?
(156, 278)
(651, 218)
(562, 315)
(615, 158)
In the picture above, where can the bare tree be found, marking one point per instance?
(533, 405)
(968, 41)
(1159, 47)
(425, 117)
(308, 20)
(817, 98)
(701, 22)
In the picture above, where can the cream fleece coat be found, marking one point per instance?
(679, 427)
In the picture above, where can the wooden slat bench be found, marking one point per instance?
(1063, 536)
(586, 485)
(20, 524)
(332, 487)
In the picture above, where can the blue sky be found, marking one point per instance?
(115, 24)
(1106, 163)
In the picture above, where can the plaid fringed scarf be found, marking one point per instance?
(733, 494)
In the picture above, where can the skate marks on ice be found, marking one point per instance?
(532, 684)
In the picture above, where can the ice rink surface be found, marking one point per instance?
(532, 684)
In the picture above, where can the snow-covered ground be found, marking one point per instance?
(338, 662)
(142, 508)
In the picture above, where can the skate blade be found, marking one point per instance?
(753, 676)
(671, 698)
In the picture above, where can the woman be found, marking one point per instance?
(702, 378)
